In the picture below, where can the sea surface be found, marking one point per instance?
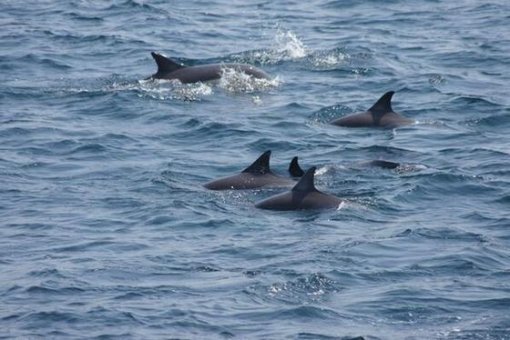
(106, 230)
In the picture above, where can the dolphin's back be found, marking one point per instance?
(198, 73)
(300, 201)
(355, 120)
(380, 114)
(257, 175)
(195, 74)
(244, 181)
(393, 120)
(320, 200)
(303, 196)
(169, 69)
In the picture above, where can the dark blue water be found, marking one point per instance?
(106, 231)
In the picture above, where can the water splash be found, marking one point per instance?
(310, 288)
(235, 81)
(162, 89)
(288, 46)
(322, 170)
(192, 92)
(285, 46)
(341, 205)
(232, 80)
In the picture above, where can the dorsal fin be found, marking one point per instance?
(165, 65)
(294, 168)
(382, 106)
(261, 165)
(306, 184)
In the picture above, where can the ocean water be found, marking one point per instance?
(107, 233)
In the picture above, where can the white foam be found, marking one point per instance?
(163, 89)
(323, 170)
(329, 60)
(235, 81)
(288, 46)
(256, 100)
(341, 205)
(192, 92)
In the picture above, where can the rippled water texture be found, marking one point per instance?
(106, 231)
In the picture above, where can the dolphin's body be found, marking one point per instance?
(382, 164)
(169, 69)
(379, 115)
(303, 196)
(257, 175)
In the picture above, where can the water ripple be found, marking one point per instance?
(108, 231)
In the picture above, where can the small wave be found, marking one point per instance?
(496, 120)
(453, 234)
(215, 130)
(46, 273)
(129, 296)
(318, 336)
(55, 291)
(130, 4)
(92, 148)
(309, 312)
(466, 261)
(79, 16)
(312, 288)
(41, 61)
(83, 246)
(329, 60)
(457, 333)
(470, 100)
(51, 316)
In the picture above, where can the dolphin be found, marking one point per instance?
(303, 196)
(257, 175)
(294, 168)
(382, 164)
(169, 69)
(379, 115)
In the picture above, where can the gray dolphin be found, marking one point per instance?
(294, 168)
(379, 115)
(169, 69)
(303, 196)
(382, 164)
(257, 175)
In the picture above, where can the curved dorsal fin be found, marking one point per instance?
(165, 65)
(261, 165)
(294, 168)
(382, 106)
(305, 184)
